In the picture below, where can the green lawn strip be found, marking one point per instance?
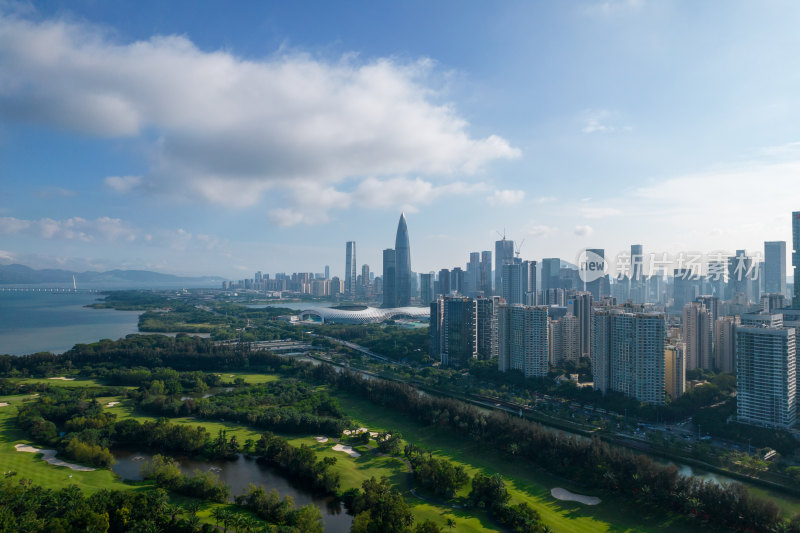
(249, 377)
(525, 482)
(70, 383)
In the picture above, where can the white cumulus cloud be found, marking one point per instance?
(583, 231)
(103, 229)
(230, 128)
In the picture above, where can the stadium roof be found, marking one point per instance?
(363, 315)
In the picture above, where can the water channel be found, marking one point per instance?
(238, 475)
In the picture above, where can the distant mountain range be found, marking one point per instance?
(23, 275)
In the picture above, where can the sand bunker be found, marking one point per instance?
(349, 432)
(321, 439)
(346, 449)
(62, 378)
(565, 495)
(49, 456)
(3, 404)
(112, 404)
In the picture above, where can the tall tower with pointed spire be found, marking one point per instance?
(402, 264)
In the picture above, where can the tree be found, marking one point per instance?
(218, 514)
(309, 520)
(451, 524)
(428, 526)
(383, 509)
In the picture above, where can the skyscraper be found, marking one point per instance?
(485, 284)
(425, 288)
(472, 281)
(796, 258)
(519, 283)
(389, 278)
(766, 374)
(636, 290)
(503, 255)
(457, 280)
(600, 286)
(350, 275)
(685, 288)
(550, 280)
(523, 339)
(403, 263)
(444, 282)
(327, 272)
(774, 267)
(739, 277)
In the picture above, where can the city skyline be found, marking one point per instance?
(577, 139)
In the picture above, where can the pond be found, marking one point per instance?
(238, 474)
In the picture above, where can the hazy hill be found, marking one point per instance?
(23, 275)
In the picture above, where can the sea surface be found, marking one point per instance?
(33, 322)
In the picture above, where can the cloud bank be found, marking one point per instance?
(225, 128)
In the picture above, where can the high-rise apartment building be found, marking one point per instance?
(696, 330)
(796, 258)
(503, 255)
(402, 252)
(774, 267)
(725, 343)
(628, 353)
(675, 369)
(565, 340)
(436, 323)
(350, 275)
(766, 373)
(459, 331)
(523, 339)
(487, 326)
(579, 304)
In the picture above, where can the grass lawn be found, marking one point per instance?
(525, 483)
(249, 378)
(72, 383)
(30, 466)
(353, 471)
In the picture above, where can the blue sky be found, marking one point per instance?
(219, 138)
